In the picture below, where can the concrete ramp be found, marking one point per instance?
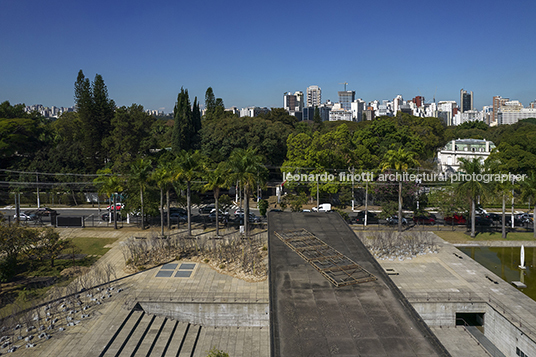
(310, 315)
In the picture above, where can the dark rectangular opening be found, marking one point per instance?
(469, 319)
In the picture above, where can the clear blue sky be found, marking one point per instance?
(251, 52)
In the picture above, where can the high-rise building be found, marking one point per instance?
(418, 100)
(466, 100)
(346, 98)
(314, 96)
(498, 102)
(293, 102)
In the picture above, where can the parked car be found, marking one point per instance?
(45, 211)
(424, 219)
(524, 217)
(495, 217)
(118, 206)
(393, 220)
(206, 209)
(221, 216)
(177, 210)
(324, 207)
(455, 219)
(372, 218)
(252, 218)
(181, 217)
(106, 216)
(481, 221)
(25, 216)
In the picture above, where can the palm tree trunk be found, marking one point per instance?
(533, 222)
(114, 212)
(473, 220)
(246, 210)
(142, 213)
(216, 194)
(168, 213)
(400, 206)
(504, 216)
(189, 209)
(162, 212)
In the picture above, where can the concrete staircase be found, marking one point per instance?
(141, 334)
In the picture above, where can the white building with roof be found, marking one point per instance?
(448, 159)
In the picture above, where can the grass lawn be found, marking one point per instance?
(93, 246)
(461, 237)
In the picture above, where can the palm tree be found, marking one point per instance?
(140, 177)
(399, 160)
(528, 191)
(246, 167)
(161, 176)
(217, 179)
(189, 166)
(109, 184)
(472, 188)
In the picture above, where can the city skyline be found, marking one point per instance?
(146, 52)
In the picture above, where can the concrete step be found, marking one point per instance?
(177, 339)
(166, 334)
(121, 337)
(190, 342)
(151, 338)
(137, 336)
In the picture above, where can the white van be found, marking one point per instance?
(324, 207)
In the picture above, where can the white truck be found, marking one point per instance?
(324, 207)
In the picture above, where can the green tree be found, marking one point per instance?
(130, 136)
(48, 244)
(184, 132)
(472, 189)
(399, 160)
(188, 167)
(161, 176)
(14, 240)
(95, 111)
(246, 168)
(216, 180)
(210, 103)
(140, 175)
(109, 184)
(528, 192)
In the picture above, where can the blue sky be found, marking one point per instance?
(250, 52)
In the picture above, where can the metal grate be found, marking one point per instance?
(335, 266)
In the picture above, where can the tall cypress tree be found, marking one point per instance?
(183, 128)
(196, 121)
(210, 103)
(95, 111)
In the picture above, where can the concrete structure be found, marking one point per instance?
(312, 317)
(161, 312)
(314, 96)
(448, 158)
(468, 307)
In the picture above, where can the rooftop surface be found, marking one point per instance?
(310, 316)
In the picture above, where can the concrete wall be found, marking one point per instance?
(444, 313)
(212, 314)
(505, 335)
